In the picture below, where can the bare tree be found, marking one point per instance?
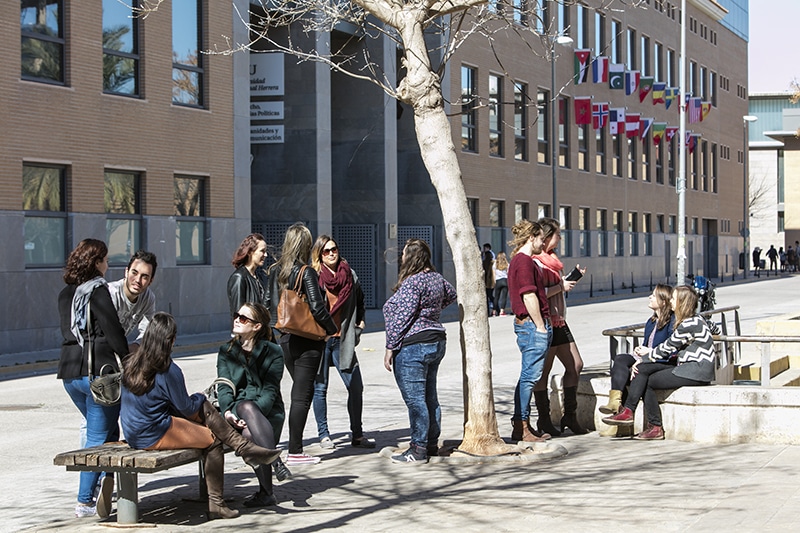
(760, 191)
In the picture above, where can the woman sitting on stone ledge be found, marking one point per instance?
(692, 340)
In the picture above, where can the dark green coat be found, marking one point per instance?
(258, 380)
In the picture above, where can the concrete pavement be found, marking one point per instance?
(600, 485)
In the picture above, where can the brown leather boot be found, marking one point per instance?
(214, 466)
(252, 454)
(522, 432)
(614, 403)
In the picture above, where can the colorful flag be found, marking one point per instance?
(631, 82)
(600, 69)
(616, 120)
(670, 132)
(616, 76)
(582, 57)
(583, 110)
(658, 93)
(599, 115)
(695, 110)
(691, 140)
(670, 95)
(659, 128)
(644, 127)
(632, 125)
(706, 109)
(645, 86)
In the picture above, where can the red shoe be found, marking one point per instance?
(623, 418)
(652, 433)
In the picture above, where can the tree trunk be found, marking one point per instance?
(421, 88)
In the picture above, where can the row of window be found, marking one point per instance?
(44, 201)
(44, 30)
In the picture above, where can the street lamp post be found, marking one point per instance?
(746, 120)
(564, 40)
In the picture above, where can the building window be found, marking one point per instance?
(583, 147)
(543, 210)
(42, 31)
(714, 167)
(583, 26)
(616, 42)
(660, 224)
(542, 17)
(703, 149)
(563, 19)
(521, 12)
(659, 151)
(781, 180)
(704, 84)
(599, 33)
(658, 61)
(563, 132)
(496, 213)
(45, 224)
(712, 87)
(565, 218)
(190, 212)
(600, 150)
(693, 78)
(633, 232)
(619, 236)
(647, 68)
(616, 160)
(673, 224)
(469, 111)
(694, 228)
(543, 125)
(672, 158)
(472, 204)
(647, 229)
(672, 69)
(123, 220)
(520, 211)
(646, 158)
(187, 61)
(601, 218)
(120, 48)
(520, 122)
(585, 235)
(694, 159)
(631, 59)
(781, 221)
(633, 162)
(496, 116)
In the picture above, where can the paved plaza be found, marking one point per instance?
(600, 485)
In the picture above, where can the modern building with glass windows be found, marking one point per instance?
(120, 128)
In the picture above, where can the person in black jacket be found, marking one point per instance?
(302, 356)
(248, 283)
(86, 310)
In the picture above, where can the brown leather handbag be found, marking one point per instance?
(294, 314)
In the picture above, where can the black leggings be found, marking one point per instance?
(258, 430)
(302, 358)
(621, 371)
(653, 377)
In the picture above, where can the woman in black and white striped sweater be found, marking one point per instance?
(692, 340)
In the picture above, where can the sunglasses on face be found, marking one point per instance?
(243, 319)
(329, 251)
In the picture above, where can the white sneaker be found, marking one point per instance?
(294, 459)
(326, 443)
(104, 498)
(83, 511)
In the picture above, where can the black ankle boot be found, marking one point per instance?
(544, 423)
(570, 418)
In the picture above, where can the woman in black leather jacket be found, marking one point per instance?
(302, 356)
(248, 283)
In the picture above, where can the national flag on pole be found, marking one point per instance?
(706, 109)
(645, 86)
(600, 69)
(632, 125)
(616, 120)
(670, 132)
(659, 128)
(695, 110)
(582, 57)
(616, 76)
(658, 93)
(670, 95)
(599, 115)
(644, 127)
(583, 110)
(631, 82)
(691, 141)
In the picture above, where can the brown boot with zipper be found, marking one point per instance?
(214, 467)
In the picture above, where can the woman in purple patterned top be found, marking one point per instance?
(415, 345)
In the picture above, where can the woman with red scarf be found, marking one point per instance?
(563, 345)
(346, 306)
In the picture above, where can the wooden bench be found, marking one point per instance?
(128, 463)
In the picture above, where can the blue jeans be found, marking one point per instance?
(101, 426)
(415, 370)
(534, 345)
(352, 382)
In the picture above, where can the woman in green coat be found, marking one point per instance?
(255, 366)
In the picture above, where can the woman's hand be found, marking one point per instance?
(635, 369)
(238, 423)
(641, 351)
(388, 359)
(568, 285)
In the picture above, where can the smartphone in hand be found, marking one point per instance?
(574, 275)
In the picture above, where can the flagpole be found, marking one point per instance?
(681, 183)
(562, 40)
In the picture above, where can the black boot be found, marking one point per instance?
(214, 466)
(544, 424)
(264, 497)
(570, 418)
(252, 454)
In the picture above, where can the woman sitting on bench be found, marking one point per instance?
(695, 347)
(153, 388)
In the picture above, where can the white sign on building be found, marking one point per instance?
(266, 134)
(266, 110)
(266, 74)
